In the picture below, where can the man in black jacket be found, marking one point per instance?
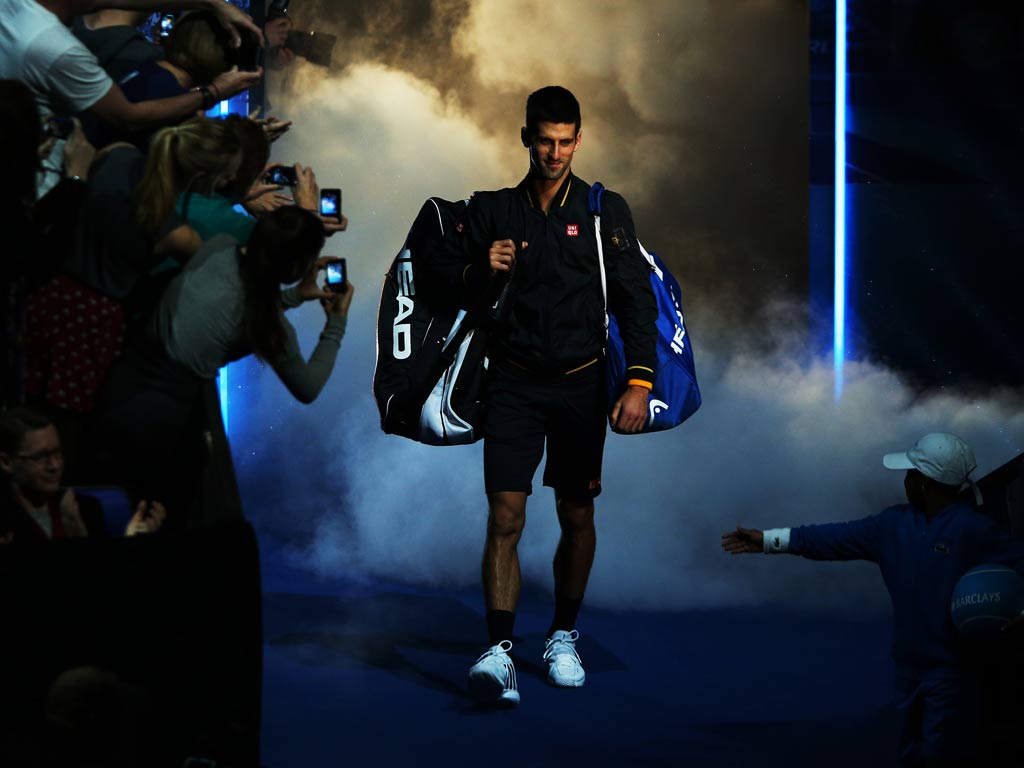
(546, 378)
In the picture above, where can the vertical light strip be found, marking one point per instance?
(839, 286)
(222, 375)
(222, 384)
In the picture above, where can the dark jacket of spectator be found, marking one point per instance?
(118, 48)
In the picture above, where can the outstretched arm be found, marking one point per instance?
(306, 378)
(853, 540)
(743, 541)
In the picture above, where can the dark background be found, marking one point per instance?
(934, 165)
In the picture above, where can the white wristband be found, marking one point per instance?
(776, 541)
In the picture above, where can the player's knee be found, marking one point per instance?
(507, 516)
(576, 516)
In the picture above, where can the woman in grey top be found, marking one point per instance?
(160, 433)
(227, 303)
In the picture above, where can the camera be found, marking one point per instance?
(58, 127)
(337, 277)
(330, 203)
(283, 175)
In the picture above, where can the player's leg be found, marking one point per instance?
(500, 568)
(576, 433)
(513, 447)
(573, 560)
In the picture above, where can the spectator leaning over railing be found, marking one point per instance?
(210, 209)
(213, 212)
(197, 51)
(34, 506)
(159, 413)
(37, 47)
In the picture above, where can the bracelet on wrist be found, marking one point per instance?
(640, 383)
(208, 99)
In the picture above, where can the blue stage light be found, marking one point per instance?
(839, 284)
(238, 105)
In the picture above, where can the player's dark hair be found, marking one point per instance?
(552, 104)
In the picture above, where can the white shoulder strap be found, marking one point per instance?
(604, 279)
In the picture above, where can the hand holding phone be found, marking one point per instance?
(282, 175)
(337, 276)
(330, 203)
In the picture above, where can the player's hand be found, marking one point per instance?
(502, 255)
(630, 412)
(743, 540)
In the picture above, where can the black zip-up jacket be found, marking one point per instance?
(553, 317)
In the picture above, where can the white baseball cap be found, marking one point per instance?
(941, 456)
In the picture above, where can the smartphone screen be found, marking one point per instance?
(330, 202)
(283, 175)
(166, 24)
(336, 276)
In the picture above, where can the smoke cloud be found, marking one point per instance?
(696, 112)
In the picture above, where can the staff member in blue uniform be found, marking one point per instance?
(922, 549)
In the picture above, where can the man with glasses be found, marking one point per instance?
(33, 504)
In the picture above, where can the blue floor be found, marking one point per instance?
(374, 674)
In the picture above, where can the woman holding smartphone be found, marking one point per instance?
(160, 414)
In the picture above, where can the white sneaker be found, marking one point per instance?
(564, 667)
(493, 677)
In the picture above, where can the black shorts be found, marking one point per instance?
(523, 409)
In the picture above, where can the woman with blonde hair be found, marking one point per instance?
(199, 156)
(198, 55)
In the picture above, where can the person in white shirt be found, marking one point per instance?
(38, 48)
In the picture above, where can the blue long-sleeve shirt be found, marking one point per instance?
(921, 562)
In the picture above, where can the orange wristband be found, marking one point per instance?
(640, 383)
